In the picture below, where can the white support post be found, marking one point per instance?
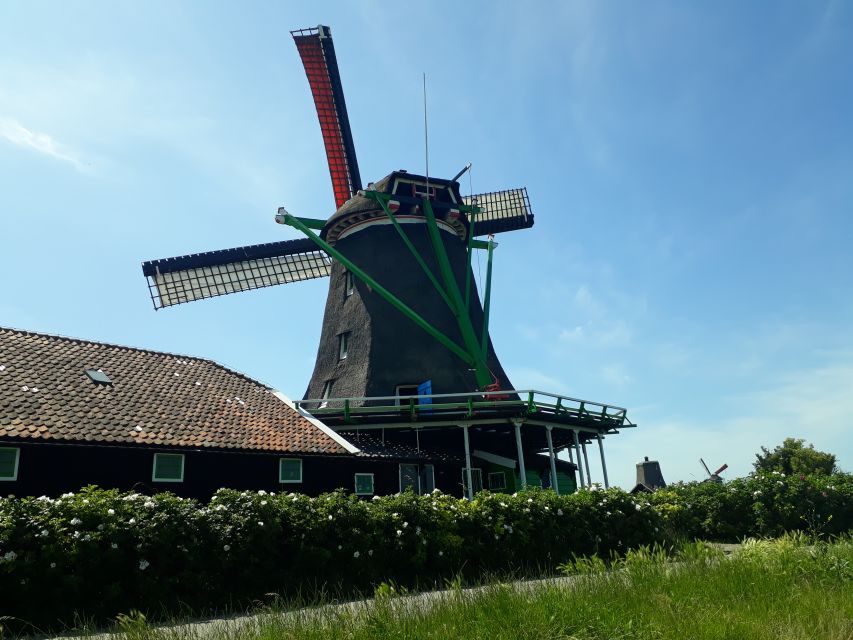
(470, 483)
(569, 451)
(554, 484)
(603, 465)
(521, 470)
(586, 464)
(578, 456)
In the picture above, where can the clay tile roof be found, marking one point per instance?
(155, 399)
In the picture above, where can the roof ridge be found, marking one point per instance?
(57, 336)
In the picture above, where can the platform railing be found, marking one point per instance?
(470, 405)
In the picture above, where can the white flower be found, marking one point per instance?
(399, 532)
(497, 537)
(262, 492)
(330, 517)
(85, 500)
(260, 524)
(559, 512)
(440, 553)
(638, 506)
(405, 524)
(263, 502)
(113, 546)
(43, 533)
(10, 555)
(503, 504)
(53, 565)
(111, 512)
(143, 565)
(76, 521)
(395, 515)
(756, 493)
(150, 504)
(375, 498)
(67, 495)
(226, 547)
(529, 500)
(356, 554)
(370, 552)
(131, 521)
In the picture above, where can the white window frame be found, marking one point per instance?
(282, 480)
(343, 345)
(397, 401)
(14, 476)
(417, 467)
(349, 284)
(327, 392)
(502, 474)
(372, 484)
(154, 477)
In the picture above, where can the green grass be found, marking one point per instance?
(782, 590)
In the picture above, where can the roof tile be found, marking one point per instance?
(155, 397)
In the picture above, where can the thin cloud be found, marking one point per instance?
(16, 133)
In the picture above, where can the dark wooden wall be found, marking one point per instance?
(53, 469)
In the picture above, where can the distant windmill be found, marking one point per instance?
(403, 313)
(713, 477)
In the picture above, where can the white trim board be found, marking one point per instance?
(494, 458)
(329, 432)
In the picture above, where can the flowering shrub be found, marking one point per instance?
(760, 505)
(97, 553)
(100, 552)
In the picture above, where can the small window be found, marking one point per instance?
(497, 480)
(9, 458)
(289, 470)
(168, 467)
(327, 393)
(404, 390)
(98, 377)
(349, 284)
(343, 345)
(364, 484)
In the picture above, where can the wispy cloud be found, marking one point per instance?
(13, 131)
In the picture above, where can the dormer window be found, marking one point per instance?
(343, 345)
(349, 284)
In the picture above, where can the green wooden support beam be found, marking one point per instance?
(312, 223)
(487, 298)
(418, 258)
(463, 317)
(389, 297)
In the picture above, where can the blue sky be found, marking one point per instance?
(690, 166)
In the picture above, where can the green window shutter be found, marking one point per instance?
(290, 470)
(168, 467)
(364, 484)
(8, 464)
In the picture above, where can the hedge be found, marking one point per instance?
(97, 553)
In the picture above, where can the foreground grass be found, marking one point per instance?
(784, 589)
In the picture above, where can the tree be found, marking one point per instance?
(791, 457)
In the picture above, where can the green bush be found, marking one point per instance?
(97, 553)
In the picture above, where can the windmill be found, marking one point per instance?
(713, 477)
(403, 313)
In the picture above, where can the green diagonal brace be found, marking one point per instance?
(487, 297)
(435, 283)
(463, 317)
(389, 297)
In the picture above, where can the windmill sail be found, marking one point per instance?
(501, 211)
(205, 275)
(321, 66)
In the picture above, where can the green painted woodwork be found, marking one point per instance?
(382, 291)
(289, 470)
(415, 253)
(313, 223)
(8, 463)
(463, 318)
(484, 335)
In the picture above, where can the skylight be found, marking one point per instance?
(98, 377)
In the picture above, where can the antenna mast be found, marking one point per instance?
(426, 138)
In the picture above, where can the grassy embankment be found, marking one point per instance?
(784, 589)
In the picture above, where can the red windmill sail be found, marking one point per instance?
(321, 66)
